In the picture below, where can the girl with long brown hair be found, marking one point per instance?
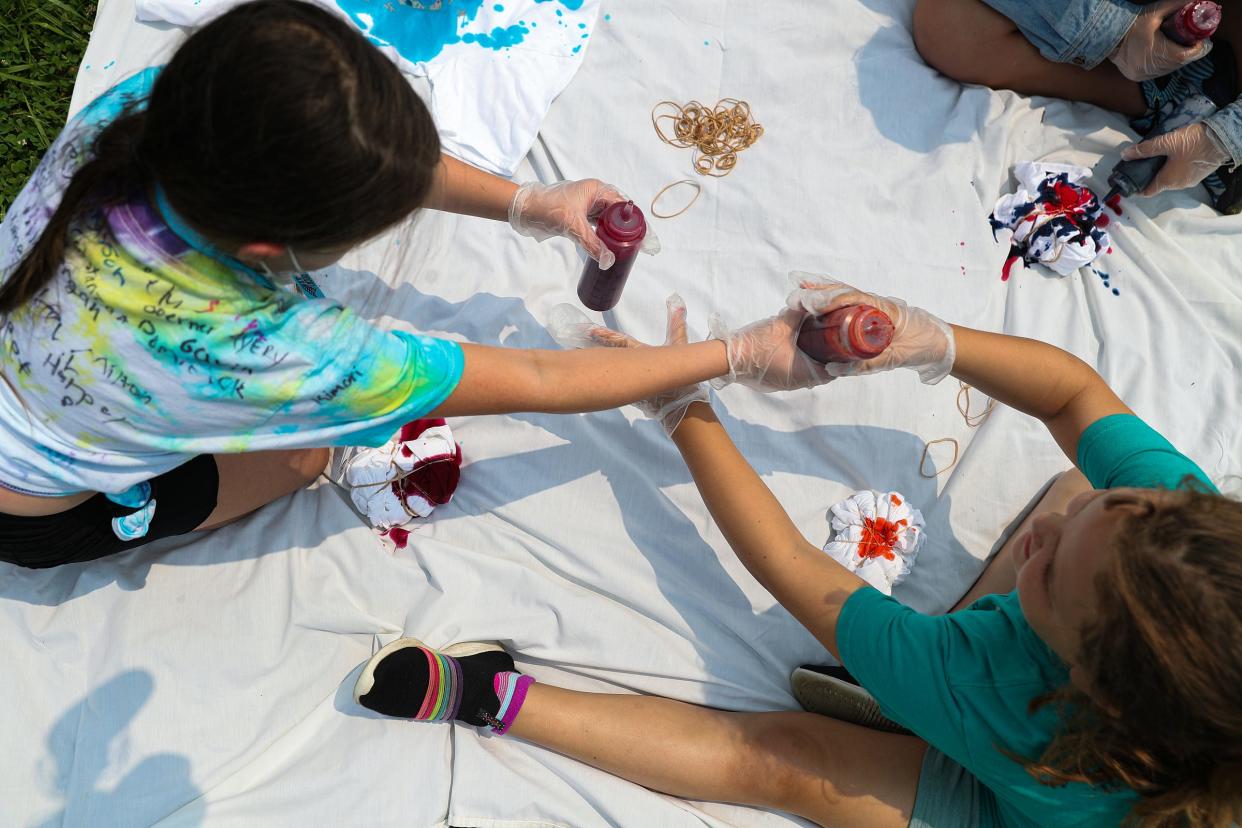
(168, 363)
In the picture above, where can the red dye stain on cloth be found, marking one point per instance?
(398, 536)
(1005, 271)
(1114, 204)
(879, 537)
(1103, 221)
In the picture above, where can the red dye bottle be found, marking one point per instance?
(846, 334)
(1195, 21)
(621, 227)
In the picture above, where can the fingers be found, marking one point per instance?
(676, 320)
(1150, 148)
(603, 195)
(651, 242)
(609, 338)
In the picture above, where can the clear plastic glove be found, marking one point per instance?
(542, 211)
(921, 342)
(571, 328)
(764, 355)
(1194, 153)
(1146, 52)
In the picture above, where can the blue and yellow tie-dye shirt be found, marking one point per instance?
(144, 350)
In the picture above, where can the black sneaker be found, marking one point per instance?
(397, 681)
(832, 691)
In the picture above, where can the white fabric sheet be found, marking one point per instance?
(494, 69)
(206, 681)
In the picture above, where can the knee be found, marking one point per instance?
(308, 464)
(949, 35)
(782, 766)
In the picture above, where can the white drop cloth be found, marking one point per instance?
(487, 98)
(207, 682)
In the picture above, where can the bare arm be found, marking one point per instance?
(461, 188)
(1037, 379)
(808, 583)
(501, 380)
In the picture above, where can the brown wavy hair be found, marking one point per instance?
(1164, 661)
(275, 122)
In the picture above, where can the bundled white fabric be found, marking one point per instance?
(494, 68)
(374, 476)
(1055, 220)
(876, 535)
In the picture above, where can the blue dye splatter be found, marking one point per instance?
(420, 35)
(581, 25)
(110, 64)
(707, 43)
(578, 48)
(572, 5)
(498, 38)
(607, 17)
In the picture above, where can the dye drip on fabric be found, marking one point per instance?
(407, 477)
(1053, 218)
(876, 535)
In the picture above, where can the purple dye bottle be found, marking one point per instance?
(1195, 21)
(621, 227)
(846, 334)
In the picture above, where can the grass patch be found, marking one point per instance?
(41, 45)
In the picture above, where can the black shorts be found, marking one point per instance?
(184, 497)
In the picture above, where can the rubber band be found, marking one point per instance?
(926, 454)
(716, 134)
(698, 190)
(963, 407)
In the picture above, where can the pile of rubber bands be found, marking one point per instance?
(717, 134)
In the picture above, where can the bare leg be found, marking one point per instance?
(1000, 575)
(254, 479)
(828, 771)
(973, 43)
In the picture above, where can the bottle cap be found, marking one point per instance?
(623, 221)
(1203, 18)
(871, 331)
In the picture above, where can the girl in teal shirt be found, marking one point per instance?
(1094, 675)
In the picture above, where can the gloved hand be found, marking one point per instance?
(1194, 152)
(1145, 52)
(542, 211)
(764, 355)
(921, 342)
(572, 329)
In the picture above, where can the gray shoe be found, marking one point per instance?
(830, 691)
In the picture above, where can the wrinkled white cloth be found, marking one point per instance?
(1055, 220)
(494, 68)
(369, 475)
(876, 535)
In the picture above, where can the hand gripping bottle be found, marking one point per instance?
(1195, 21)
(846, 334)
(621, 227)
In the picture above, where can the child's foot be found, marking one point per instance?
(472, 683)
(832, 691)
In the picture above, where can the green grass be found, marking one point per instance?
(41, 45)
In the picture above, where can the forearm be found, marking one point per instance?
(461, 188)
(1037, 379)
(501, 380)
(808, 583)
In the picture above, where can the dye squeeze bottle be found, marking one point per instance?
(846, 334)
(621, 227)
(1129, 177)
(1195, 21)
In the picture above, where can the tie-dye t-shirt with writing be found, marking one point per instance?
(144, 351)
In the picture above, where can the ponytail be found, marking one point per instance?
(113, 170)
